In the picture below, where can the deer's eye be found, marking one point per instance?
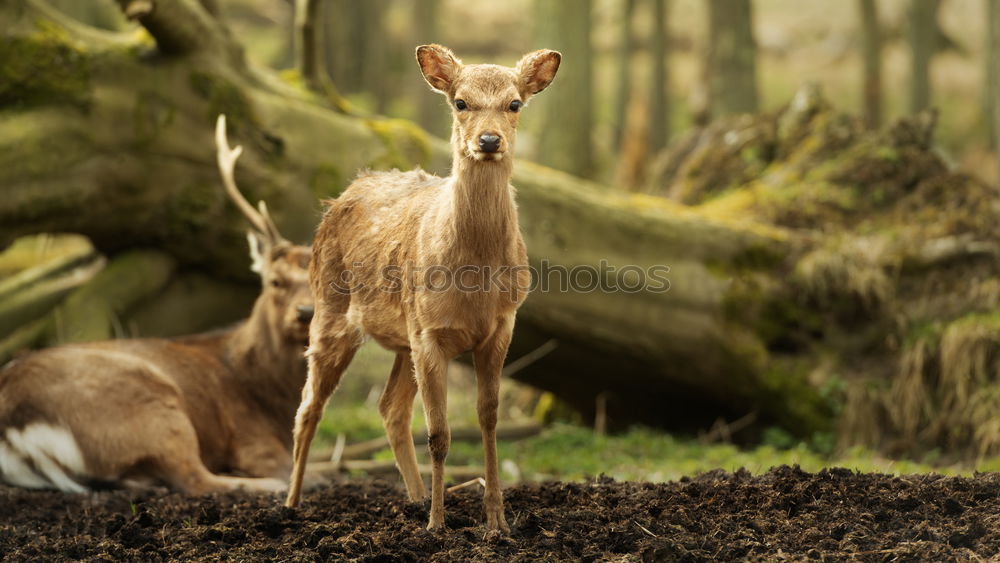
(460, 105)
(515, 105)
(275, 282)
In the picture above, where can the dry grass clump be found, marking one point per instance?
(946, 392)
(847, 273)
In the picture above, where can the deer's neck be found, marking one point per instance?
(269, 368)
(483, 208)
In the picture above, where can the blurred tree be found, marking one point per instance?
(564, 138)
(923, 38)
(871, 52)
(336, 45)
(730, 69)
(993, 75)
(355, 46)
(426, 30)
(659, 99)
(310, 53)
(626, 48)
(309, 50)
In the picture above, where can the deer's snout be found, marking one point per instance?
(489, 142)
(305, 313)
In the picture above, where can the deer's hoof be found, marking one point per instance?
(494, 535)
(496, 525)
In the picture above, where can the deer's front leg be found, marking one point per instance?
(489, 358)
(431, 367)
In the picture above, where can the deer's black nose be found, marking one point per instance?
(489, 143)
(305, 313)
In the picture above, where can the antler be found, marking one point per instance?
(261, 220)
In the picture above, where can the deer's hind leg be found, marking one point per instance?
(332, 344)
(396, 408)
(165, 451)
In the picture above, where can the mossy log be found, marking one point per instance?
(95, 310)
(110, 136)
(31, 292)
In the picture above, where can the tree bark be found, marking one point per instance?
(731, 60)
(923, 38)
(871, 53)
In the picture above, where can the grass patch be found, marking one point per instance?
(570, 453)
(567, 452)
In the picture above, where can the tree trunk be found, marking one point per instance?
(871, 53)
(659, 100)
(993, 74)
(731, 60)
(923, 39)
(370, 43)
(429, 103)
(308, 42)
(626, 48)
(566, 109)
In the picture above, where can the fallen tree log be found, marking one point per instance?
(109, 136)
(782, 279)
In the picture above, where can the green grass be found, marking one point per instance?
(572, 452)
(568, 452)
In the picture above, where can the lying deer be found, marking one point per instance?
(429, 267)
(177, 412)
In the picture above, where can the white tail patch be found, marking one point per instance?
(41, 456)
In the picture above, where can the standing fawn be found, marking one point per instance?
(429, 267)
(177, 412)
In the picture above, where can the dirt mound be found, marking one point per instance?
(784, 514)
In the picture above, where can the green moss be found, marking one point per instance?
(293, 78)
(887, 153)
(43, 68)
(223, 97)
(327, 181)
(985, 320)
(93, 311)
(153, 113)
(929, 331)
(804, 408)
(406, 144)
(193, 210)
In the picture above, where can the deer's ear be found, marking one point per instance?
(258, 252)
(537, 69)
(439, 66)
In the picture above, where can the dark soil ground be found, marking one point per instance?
(785, 514)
